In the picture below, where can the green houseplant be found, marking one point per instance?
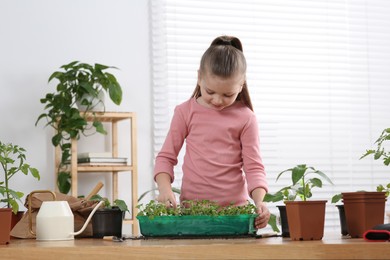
(363, 210)
(79, 83)
(301, 224)
(381, 153)
(378, 153)
(12, 161)
(107, 221)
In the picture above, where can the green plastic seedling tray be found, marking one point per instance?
(173, 226)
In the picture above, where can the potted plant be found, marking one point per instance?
(13, 161)
(363, 210)
(79, 83)
(381, 153)
(107, 221)
(305, 217)
(196, 218)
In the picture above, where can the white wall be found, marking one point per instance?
(36, 38)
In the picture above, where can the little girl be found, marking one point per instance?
(222, 162)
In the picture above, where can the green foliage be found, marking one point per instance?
(64, 181)
(381, 153)
(121, 204)
(12, 160)
(75, 81)
(336, 198)
(301, 185)
(194, 208)
(382, 188)
(197, 207)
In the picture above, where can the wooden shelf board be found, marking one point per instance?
(109, 116)
(104, 168)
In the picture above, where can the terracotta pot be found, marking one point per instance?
(363, 211)
(284, 221)
(364, 195)
(306, 219)
(5, 225)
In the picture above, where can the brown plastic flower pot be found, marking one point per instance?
(363, 212)
(5, 225)
(306, 219)
(364, 195)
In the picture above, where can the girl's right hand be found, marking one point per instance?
(166, 195)
(167, 198)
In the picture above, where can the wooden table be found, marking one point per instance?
(332, 246)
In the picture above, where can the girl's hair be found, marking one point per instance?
(225, 58)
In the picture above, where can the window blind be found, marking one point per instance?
(318, 75)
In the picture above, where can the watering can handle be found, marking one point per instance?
(29, 207)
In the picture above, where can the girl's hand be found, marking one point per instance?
(262, 220)
(166, 195)
(168, 198)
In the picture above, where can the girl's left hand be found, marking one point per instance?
(262, 220)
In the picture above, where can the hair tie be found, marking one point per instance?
(224, 42)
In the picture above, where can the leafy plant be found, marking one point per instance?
(301, 185)
(381, 153)
(12, 160)
(378, 153)
(77, 82)
(121, 204)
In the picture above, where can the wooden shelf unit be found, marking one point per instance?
(113, 118)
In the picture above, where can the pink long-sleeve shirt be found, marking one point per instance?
(222, 161)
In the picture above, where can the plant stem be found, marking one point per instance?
(5, 168)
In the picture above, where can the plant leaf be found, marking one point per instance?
(280, 174)
(272, 223)
(63, 182)
(35, 173)
(323, 175)
(121, 205)
(99, 127)
(316, 182)
(336, 198)
(278, 196)
(298, 172)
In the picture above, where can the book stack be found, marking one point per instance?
(100, 159)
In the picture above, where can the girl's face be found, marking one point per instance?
(219, 93)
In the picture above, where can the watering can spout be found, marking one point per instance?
(88, 219)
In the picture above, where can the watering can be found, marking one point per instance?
(55, 220)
